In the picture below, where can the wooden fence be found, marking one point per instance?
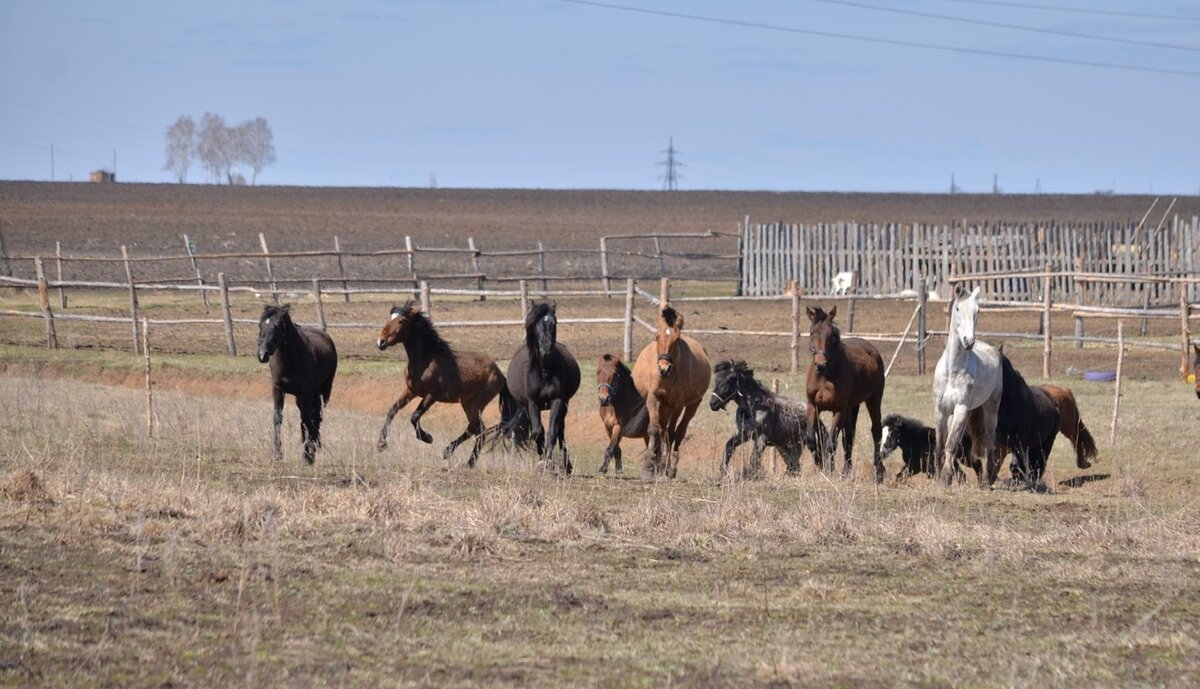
(893, 258)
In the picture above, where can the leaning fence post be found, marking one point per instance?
(604, 282)
(4, 253)
(1112, 431)
(230, 344)
(133, 300)
(1079, 331)
(262, 239)
(44, 301)
(320, 303)
(475, 267)
(191, 249)
(426, 306)
(1184, 333)
(524, 299)
(795, 328)
(664, 293)
(1047, 338)
(337, 249)
(62, 294)
(542, 267)
(627, 350)
(922, 334)
(149, 379)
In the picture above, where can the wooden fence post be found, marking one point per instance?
(230, 344)
(337, 247)
(795, 328)
(662, 265)
(4, 253)
(1112, 431)
(1185, 334)
(524, 299)
(62, 294)
(191, 249)
(1079, 331)
(664, 293)
(262, 239)
(475, 267)
(542, 266)
(604, 282)
(627, 349)
(149, 379)
(412, 270)
(44, 301)
(922, 332)
(320, 303)
(133, 300)
(850, 315)
(426, 306)
(1047, 337)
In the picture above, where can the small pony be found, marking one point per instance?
(303, 363)
(622, 409)
(918, 446)
(768, 419)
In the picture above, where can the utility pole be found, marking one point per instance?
(1037, 186)
(670, 176)
(51, 162)
(995, 183)
(954, 188)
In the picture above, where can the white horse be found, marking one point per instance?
(966, 391)
(842, 282)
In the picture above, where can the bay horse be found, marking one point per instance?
(843, 375)
(437, 373)
(762, 416)
(967, 388)
(1071, 425)
(542, 374)
(672, 373)
(622, 409)
(918, 446)
(1027, 424)
(303, 362)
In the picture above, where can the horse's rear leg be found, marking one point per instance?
(310, 425)
(474, 428)
(991, 409)
(399, 404)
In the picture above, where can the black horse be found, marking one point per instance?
(543, 374)
(303, 363)
(918, 446)
(1027, 424)
(768, 419)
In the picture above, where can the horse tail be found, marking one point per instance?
(1085, 447)
(515, 424)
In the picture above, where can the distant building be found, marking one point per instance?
(103, 177)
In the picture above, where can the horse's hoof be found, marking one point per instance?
(424, 437)
(618, 471)
(381, 445)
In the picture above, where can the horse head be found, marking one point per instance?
(729, 383)
(541, 331)
(670, 328)
(964, 317)
(609, 372)
(399, 325)
(824, 338)
(271, 329)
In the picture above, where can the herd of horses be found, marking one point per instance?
(984, 409)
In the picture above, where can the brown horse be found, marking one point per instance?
(622, 409)
(1071, 426)
(672, 373)
(843, 375)
(437, 373)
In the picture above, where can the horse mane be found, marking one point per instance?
(670, 316)
(423, 328)
(537, 312)
(903, 424)
(271, 310)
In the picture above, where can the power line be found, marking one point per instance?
(1017, 27)
(1079, 10)
(670, 176)
(884, 41)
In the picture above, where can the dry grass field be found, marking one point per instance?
(191, 559)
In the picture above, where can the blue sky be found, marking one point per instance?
(543, 93)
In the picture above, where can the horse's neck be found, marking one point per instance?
(292, 347)
(628, 402)
(419, 352)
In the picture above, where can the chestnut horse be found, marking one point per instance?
(672, 373)
(437, 373)
(622, 409)
(1071, 426)
(843, 375)
(303, 363)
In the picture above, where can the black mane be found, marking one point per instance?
(423, 328)
(669, 316)
(903, 424)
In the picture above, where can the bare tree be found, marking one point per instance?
(181, 145)
(211, 145)
(256, 145)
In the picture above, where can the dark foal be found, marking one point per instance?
(622, 409)
(843, 375)
(767, 419)
(918, 446)
(303, 363)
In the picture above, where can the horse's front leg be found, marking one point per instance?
(399, 404)
(653, 438)
(955, 426)
(760, 446)
(426, 402)
(277, 421)
(556, 437)
(830, 448)
(741, 436)
(537, 430)
(613, 451)
(851, 425)
(310, 425)
(678, 433)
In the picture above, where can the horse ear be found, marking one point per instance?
(679, 322)
(958, 291)
(1197, 348)
(812, 313)
(975, 293)
(286, 308)
(832, 313)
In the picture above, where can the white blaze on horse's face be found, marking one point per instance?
(884, 449)
(966, 318)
